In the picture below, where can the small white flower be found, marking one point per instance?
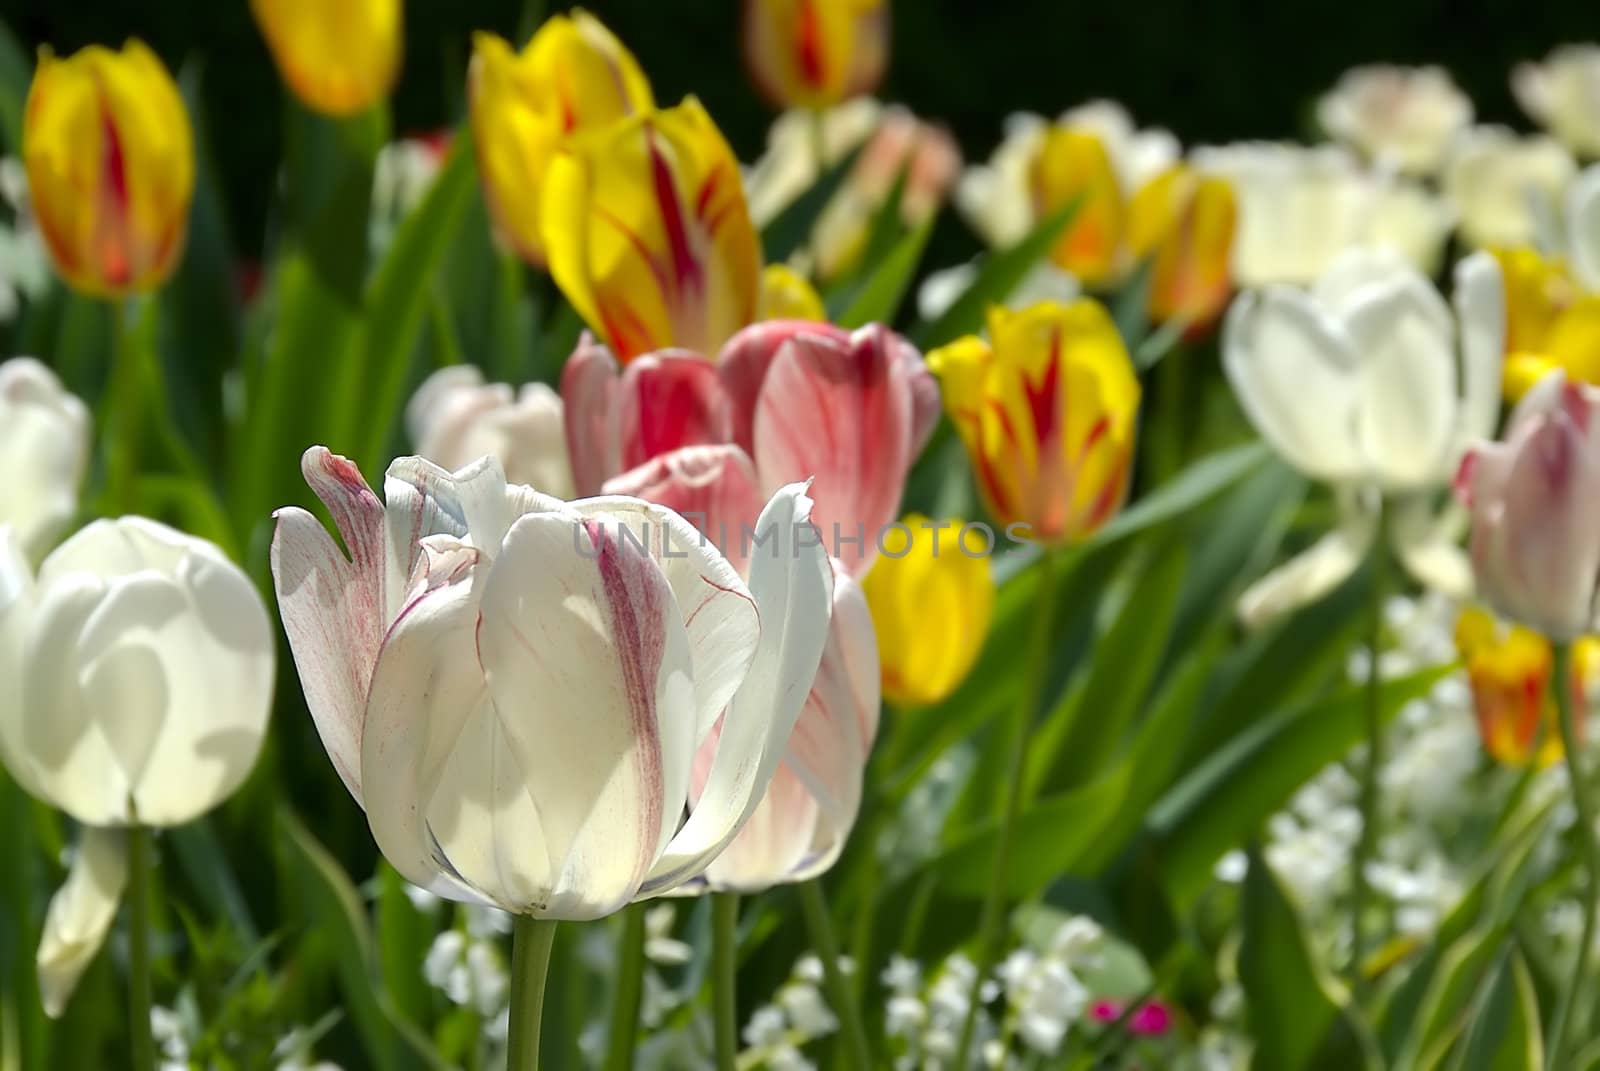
(807, 1010)
(767, 1027)
(904, 1017)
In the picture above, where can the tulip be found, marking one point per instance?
(515, 688)
(647, 233)
(1093, 157)
(1549, 322)
(455, 418)
(1357, 384)
(339, 57)
(1400, 116)
(1300, 208)
(1583, 224)
(1535, 532)
(1046, 408)
(1500, 184)
(932, 597)
(574, 76)
(1183, 223)
(110, 161)
(800, 399)
(815, 53)
(1509, 667)
(136, 677)
(1560, 95)
(44, 445)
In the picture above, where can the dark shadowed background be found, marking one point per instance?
(1211, 71)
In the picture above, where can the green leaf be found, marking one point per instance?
(1300, 1017)
(404, 934)
(1198, 483)
(1084, 730)
(791, 228)
(1051, 836)
(199, 854)
(998, 275)
(1466, 967)
(1228, 796)
(16, 75)
(328, 169)
(876, 298)
(1504, 1034)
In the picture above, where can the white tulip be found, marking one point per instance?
(1400, 116)
(1370, 383)
(1301, 208)
(1507, 190)
(1562, 94)
(515, 688)
(789, 166)
(136, 674)
(455, 418)
(44, 448)
(136, 678)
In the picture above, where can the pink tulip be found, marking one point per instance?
(802, 400)
(1535, 502)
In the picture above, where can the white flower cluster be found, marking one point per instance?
(24, 265)
(467, 964)
(798, 1015)
(1043, 993)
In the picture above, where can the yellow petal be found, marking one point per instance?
(647, 233)
(574, 76)
(1184, 224)
(339, 57)
(815, 53)
(932, 597)
(109, 154)
(1073, 165)
(1573, 341)
(1047, 410)
(1509, 667)
(1536, 290)
(787, 295)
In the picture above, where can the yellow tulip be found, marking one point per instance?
(1184, 223)
(339, 57)
(1047, 408)
(1073, 165)
(1550, 323)
(110, 159)
(1509, 668)
(573, 76)
(647, 233)
(931, 598)
(788, 295)
(816, 53)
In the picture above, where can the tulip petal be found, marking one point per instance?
(44, 448)
(1583, 214)
(843, 415)
(80, 915)
(589, 388)
(775, 842)
(1313, 573)
(1480, 306)
(792, 584)
(1294, 374)
(333, 608)
(589, 668)
(670, 400)
(1408, 382)
(16, 622)
(744, 361)
(720, 616)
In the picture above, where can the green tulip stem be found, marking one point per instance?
(1367, 844)
(141, 1042)
(531, 940)
(1561, 684)
(630, 986)
(725, 978)
(826, 944)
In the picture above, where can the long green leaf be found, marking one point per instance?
(396, 305)
(791, 228)
(998, 275)
(877, 297)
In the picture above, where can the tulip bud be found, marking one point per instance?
(1535, 521)
(1047, 408)
(339, 57)
(932, 596)
(1183, 222)
(44, 447)
(516, 688)
(80, 914)
(1073, 166)
(1509, 667)
(647, 233)
(110, 159)
(574, 76)
(135, 674)
(815, 53)
(455, 418)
